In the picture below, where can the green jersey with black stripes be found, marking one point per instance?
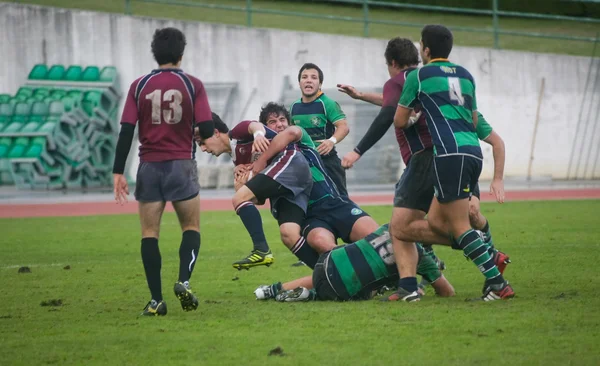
(368, 264)
(318, 117)
(446, 93)
(484, 130)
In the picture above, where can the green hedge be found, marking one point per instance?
(556, 7)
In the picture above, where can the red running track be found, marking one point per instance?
(207, 204)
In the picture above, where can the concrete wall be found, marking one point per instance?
(567, 142)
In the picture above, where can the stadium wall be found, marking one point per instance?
(258, 60)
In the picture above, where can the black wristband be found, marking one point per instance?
(123, 146)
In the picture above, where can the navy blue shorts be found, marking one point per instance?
(414, 190)
(476, 192)
(334, 214)
(455, 176)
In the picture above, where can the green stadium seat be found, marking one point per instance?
(4, 98)
(76, 95)
(5, 144)
(91, 73)
(39, 111)
(30, 127)
(38, 72)
(73, 73)
(14, 127)
(108, 74)
(21, 113)
(91, 100)
(68, 103)
(48, 127)
(39, 97)
(56, 72)
(6, 112)
(38, 144)
(58, 94)
(24, 92)
(19, 147)
(56, 108)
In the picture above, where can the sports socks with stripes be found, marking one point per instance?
(250, 216)
(305, 252)
(475, 249)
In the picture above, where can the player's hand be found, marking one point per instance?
(325, 147)
(120, 188)
(258, 166)
(240, 170)
(414, 118)
(349, 159)
(497, 189)
(260, 144)
(350, 90)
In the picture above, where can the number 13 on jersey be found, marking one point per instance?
(172, 115)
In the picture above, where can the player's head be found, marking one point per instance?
(167, 46)
(400, 53)
(436, 42)
(310, 78)
(218, 143)
(275, 116)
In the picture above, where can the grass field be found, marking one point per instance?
(553, 320)
(479, 39)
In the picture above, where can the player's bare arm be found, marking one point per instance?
(475, 118)
(341, 131)
(402, 117)
(289, 135)
(373, 98)
(499, 152)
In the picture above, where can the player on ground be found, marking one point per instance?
(169, 106)
(354, 272)
(323, 119)
(446, 93)
(286, 180)
(329, 215)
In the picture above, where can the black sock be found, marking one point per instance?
(188, 254)
(305, 253)
(152, 264)
(408, 283)
(253, 223)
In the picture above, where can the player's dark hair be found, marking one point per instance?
(272, 108)
(219, 124)
(168, 45)
(439, 40)
(403, 51)
(311, 66)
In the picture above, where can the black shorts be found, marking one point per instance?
(455, 176)
(283, 207)
(337, 215)
(476, 192)
(167, 181)
(333, 167)
(321, 284)
(414, 190)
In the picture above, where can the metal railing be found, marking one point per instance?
(494, 12)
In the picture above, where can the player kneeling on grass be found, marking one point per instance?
(355, 271)
(285, 180)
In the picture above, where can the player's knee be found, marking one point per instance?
(289, 236)
(321, 240)
(473, 213)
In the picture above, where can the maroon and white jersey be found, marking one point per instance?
(241, 143)
(166, 104)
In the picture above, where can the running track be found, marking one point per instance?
(208, 204)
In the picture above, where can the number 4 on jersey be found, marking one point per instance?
(171, 115)
(455, 90)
